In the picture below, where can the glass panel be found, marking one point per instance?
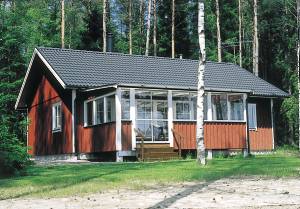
(125, 105)
(100, 111)
(89, 114)
(143, 105)
(58, 116)
(110, 108)
(145, 127)
(160, 130)
(160, 105)
(219, 107)
(182, 110)
(236, 107)
(252, 116)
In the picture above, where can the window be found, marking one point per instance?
(125, 105)
(219, 107)
(110, 108)
(152, 114)
(56, 117)
(100, 110)
(252, 116)
(236, 107)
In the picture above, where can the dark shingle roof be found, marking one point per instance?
(78, 68)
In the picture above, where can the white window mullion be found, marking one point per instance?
(170, 118)
(132, 117)
(105, 109)
(94, 112)
(209, 108)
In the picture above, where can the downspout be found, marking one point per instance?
(247, 127)
(73, 121)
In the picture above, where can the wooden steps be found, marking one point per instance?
(156, 152)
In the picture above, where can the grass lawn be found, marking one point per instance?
(65, 180)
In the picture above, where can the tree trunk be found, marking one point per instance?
(218, 32)
(154, 28)
(255, 40)
(173, 28)
(148, 27)
(298, 64)
(141, 24)
(240, 34)
(104, 25)
(130, 26)
(62, 23)
(200, 89)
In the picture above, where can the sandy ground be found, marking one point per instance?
(224, 193)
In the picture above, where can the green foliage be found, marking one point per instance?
(13, 154)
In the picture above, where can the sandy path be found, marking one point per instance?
(224, 193)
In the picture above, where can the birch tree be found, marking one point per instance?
(200, 87)
(255, 39)
(130, 25)
(104, 25)
(148, 27)
(240, 34)
(62, 23)
(173, 29)
(141, 23)
(298, 64)
(218, 32)
(154, 28)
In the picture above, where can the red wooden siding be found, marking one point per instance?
(126, 136)
(261, 139)
(217, 135)
(98, 138)
(41, 140)
(228, 135)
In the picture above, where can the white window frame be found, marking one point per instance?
(254, 115)
(191, 106)
(55, 127)
(209, 107)
(95, 109)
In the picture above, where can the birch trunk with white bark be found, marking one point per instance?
(200, 88)
(219, 32)
(62, 23)
(104, 25)
(173, 29)
(255, 40)
(141, 24)
(148, 27)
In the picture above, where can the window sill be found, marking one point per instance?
(56, 130)
(90, 126)
(253, 129)
(226, 121)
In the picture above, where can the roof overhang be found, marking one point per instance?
(49, 67)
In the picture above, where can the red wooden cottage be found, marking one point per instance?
(85, 104)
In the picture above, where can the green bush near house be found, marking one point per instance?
(13, 154)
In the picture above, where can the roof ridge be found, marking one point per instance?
(120, 53)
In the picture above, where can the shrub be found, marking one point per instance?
(13, 154)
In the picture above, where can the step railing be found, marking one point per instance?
(178, 142)
(142, 136)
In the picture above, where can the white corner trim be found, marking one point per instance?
(36, 52)
(118, 120)
(170, 118)
(73, 119)
(132, 117)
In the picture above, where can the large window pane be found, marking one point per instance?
(182, 106)
(236, 107)
(219, 107)
(160, 105)
(99, 111)
(125, 100)
(160, 130)
(110, 108)
(143, 105)
(145, 127)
